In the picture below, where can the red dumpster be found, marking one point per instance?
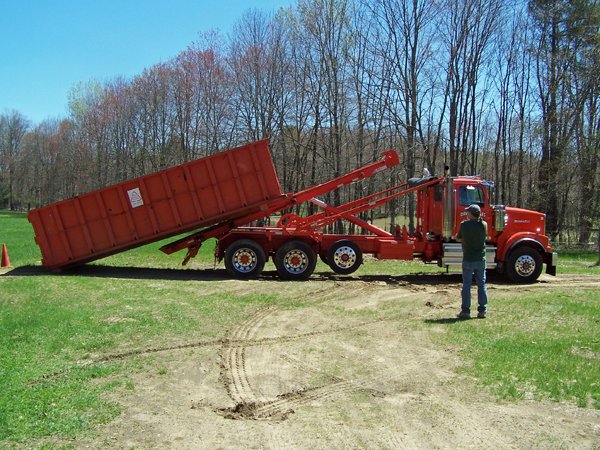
(203, 192)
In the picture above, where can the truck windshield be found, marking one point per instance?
(470, 195)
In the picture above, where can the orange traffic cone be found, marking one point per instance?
(5, 260)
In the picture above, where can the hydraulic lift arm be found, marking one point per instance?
(193, 242)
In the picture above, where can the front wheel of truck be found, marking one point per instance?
(524, 265)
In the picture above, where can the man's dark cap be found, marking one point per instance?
(474, 209)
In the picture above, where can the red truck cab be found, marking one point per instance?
(517, 244)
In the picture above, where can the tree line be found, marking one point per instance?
(509, 91)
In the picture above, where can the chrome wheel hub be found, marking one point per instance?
(244, 260)
(295, 261)
(525, 265)
(344, 257)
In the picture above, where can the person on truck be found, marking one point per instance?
(472, 234)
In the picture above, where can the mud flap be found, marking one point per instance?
(500, 267)
(551, 258)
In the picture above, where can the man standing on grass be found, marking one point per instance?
(472, 235)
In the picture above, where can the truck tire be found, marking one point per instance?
(295, 260)
(245, 259)
(344, 257)
(524, 265)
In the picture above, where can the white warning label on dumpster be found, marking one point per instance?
(135, 197)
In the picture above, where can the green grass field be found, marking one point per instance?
(56, 332)
(579, 262)
(537, 346)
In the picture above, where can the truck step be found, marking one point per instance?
(453, 256)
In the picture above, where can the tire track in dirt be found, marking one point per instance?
(234, 346)
(285, 404)
(237, 340)
(233, 352)
(234, 371)
(337, 291)
(289, 400)
(269, 287)
(225, 342)
(301, 336)
(233, 357)
(303, 367)
(547, 281)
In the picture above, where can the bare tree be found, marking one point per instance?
(327, 27)
(85, 102)
(13, 127)
(468, 26)
(521, 81)
(152, 92)
(257, 59)
(587, 139)
(563, 29)
(511, 82)
(407, 25)
(202, 94)
(301, 118)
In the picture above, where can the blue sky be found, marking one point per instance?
(46, 46)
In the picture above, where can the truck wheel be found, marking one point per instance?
(295, 260)
(244, 259)
(524, 265)
(344, 257)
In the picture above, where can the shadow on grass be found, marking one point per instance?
(134, 273)
(415, 279)
(445, 321)
(149, 273)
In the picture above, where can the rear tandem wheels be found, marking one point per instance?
(294, 259)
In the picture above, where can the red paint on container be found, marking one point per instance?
(187, 197)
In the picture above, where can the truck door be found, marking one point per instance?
(468, 194)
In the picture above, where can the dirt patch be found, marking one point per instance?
(345, 371)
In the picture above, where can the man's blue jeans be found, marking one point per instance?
(476, 268)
